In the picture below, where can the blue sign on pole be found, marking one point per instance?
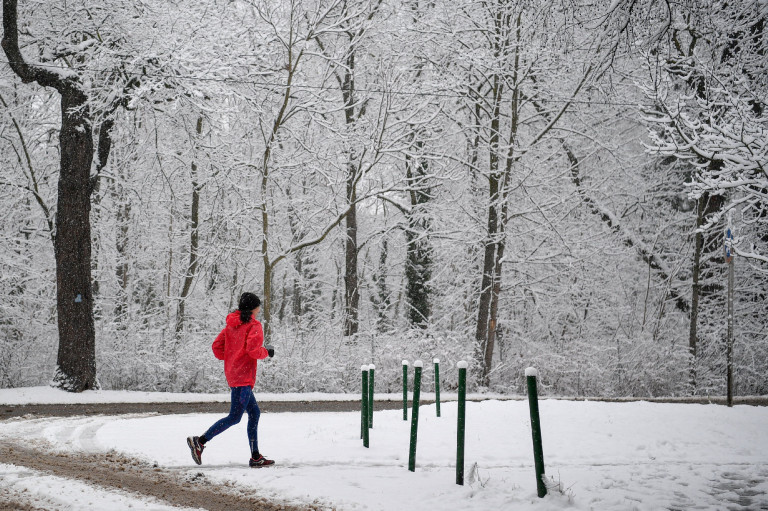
(728, 243)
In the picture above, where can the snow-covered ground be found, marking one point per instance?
(604, 456)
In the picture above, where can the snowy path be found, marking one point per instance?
(605, 456)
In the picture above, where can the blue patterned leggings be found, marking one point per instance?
(243, 400)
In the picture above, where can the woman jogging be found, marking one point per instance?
(240, 345)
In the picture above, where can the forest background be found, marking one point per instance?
(511, 183)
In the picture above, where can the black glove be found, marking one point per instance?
(270, 350)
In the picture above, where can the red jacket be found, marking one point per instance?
(240, 345)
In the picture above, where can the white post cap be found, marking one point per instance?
(531, 372)
(364, 367)
(372, 366)
(405, 362)
(461, 364)
(418, 363)
(436, 361)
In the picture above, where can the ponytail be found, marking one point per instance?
(247, 304)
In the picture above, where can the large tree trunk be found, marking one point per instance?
(77, 337)
(72, 243)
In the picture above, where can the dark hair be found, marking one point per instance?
(248, 302)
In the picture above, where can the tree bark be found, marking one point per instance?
(351, 287)
(497, 178)
(484, 320)
(77, 337)
(76, 358)
(194, 241)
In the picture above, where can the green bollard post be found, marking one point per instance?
(415, 414)
(405, 390)
(364, 407)
(538, 451)
(462, 365)
(363, 398)
(371, 371)
(437, 386)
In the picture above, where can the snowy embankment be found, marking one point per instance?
(606, 456)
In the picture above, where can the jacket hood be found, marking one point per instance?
(233, 319)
